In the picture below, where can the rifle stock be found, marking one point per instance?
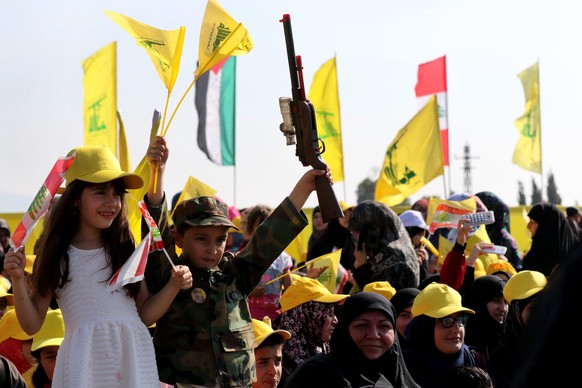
(304, 128)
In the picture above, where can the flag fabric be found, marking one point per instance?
(413, 159)
(100, 98)
(215, 104)
(432, 80)
(528, 151)
(442, 213)
(164, 47)
(335, 276)
(133, 269)
(324, 95)
(195, 188)
(41, 202)
(220, 36)
(124, 159)
(156, 244)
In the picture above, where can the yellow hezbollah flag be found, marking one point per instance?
(220, 36)
(328, 277)
(414, 158)
(163, 46)
(324, 96)
(528, 151)
(100, 99)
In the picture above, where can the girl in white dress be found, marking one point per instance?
(85, 241)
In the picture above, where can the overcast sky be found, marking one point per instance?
(378, 45)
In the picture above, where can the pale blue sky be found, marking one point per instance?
(379, 45)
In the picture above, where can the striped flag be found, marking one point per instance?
(134, 268)
(215, 103)
(432, 79)
(41, 202)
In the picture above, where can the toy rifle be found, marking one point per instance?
(299, 127)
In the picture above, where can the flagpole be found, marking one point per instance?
(540, 131)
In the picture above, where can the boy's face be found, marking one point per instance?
(269, 366)
(203, 246)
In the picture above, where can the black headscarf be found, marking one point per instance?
(357, 368)
(482, 331)
(552, 241)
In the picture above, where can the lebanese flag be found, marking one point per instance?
(432, 79)
(133, 269)
(215, 103)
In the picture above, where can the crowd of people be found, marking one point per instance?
(208, 312)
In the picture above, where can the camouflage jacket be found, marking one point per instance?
(210, 341)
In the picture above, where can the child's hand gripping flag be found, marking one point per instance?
(41, 202)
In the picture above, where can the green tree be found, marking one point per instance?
(536, 194)
(552, 191)
(365, 190)
(520, 193)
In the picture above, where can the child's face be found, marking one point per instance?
(99, 206)
(203, 246)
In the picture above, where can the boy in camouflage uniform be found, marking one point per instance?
(206, 338)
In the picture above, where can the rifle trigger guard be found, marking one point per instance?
(321, 149)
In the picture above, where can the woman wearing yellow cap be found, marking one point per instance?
(521, 292)
(436, 336)
(307, 312)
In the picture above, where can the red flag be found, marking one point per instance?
(134, 268)
(432, 79)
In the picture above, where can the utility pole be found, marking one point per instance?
(467, 168)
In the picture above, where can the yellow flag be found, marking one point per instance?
(298, 247)
(414, 158)
(194, 188)
(124, 159)
(528, 151)
(328, 277)
(220, 36)
(100, 98)
(324, 96)
(163, 46)
(136, 195)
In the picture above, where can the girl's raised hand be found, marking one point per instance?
(14, 263)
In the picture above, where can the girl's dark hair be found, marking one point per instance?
(256, 215)
(39, 377)
(51, 266)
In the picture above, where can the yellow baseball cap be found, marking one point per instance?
(501, 265)
(383, 288)
(10, 328)
(52, 331)
(9, 297)
(437, 301)
(97, 164)
(524, 284)
(307, 289)
(344, 206)
(262, 330)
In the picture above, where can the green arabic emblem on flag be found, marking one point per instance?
(393, 169)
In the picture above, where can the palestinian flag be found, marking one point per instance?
(214, 100)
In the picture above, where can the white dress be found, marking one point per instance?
(106, 344)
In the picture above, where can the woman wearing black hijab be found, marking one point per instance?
(551, 238)
(485, 327)
(365, 351)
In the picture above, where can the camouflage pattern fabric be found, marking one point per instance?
(212, 341)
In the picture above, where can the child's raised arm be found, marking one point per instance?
(305, 186)
(157, 156)
(30, 308)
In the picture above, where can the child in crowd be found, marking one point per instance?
(206, 337)
(86, 240)
(268, 353)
